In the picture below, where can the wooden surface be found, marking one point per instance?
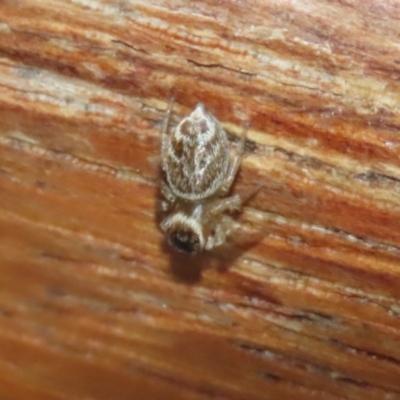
(93, 306)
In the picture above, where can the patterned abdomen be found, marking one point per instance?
(197, 158)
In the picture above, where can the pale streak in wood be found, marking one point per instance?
(89, 305)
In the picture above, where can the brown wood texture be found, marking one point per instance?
(92, 304)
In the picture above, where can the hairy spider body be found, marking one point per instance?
(199, 166)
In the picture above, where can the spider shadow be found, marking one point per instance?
(188, 268)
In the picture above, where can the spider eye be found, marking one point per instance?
(185, 241)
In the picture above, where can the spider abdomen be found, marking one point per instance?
(197, 156)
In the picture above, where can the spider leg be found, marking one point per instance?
(232, 203)
(221, 231)
(167, 192)
(164, 132)
(228, 204)
(234, 163)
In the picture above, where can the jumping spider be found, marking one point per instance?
(199, 166)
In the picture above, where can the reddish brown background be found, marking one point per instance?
(92, 305)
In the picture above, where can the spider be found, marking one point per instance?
(199, 166)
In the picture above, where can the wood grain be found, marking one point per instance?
(92, 303)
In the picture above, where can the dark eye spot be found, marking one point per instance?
(185, 241)
(177, 145)
(203, 127)
(186, 128)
